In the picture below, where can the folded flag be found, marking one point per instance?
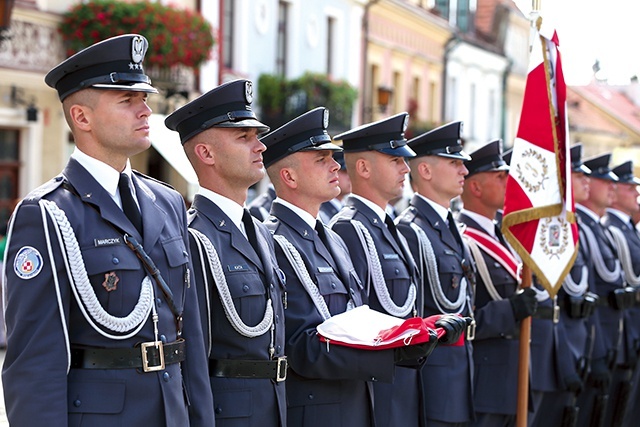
(368, 329)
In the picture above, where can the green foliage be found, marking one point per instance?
(282, 100)
(271, 92)
(175, 36)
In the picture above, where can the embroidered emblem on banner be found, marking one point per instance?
(27, 263)
(554, 236)
(110, 281)
(532, 170)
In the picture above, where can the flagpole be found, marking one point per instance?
(522, 408)
(523, 359)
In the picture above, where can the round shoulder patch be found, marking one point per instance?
(28, 263)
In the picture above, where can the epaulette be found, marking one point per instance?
(408, 215)
(141, 175)
(271, 223)
(46, 188)
(191, 215)
(346, 213)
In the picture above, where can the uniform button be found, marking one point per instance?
(77, 403)
(166, 377)
(115, 260)
(373, 379)
(186, 254)
(218, 410)
(271, 286)
(163, 339)
(278, 348)
(397, 271)
(353, 292)
(333, 286)
(277, 318)
(159, 301)
(311, 397)
(245, 288)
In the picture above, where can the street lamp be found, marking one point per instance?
(384, 97)
(17, 97)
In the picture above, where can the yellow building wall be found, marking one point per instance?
(405, 48)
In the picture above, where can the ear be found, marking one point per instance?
(81, 117)
(204, 153)
(475, 188)
(289, 177)
(363, 167)
(425, 170)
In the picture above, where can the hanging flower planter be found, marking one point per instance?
(176, 37)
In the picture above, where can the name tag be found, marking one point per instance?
(237, 267)
(107, 242)
(325, 270)
(390, 256)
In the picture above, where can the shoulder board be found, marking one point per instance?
(143, 176)
(271, 223)
(191, 215)
(408, 215)
(46, 188)
(346, 213)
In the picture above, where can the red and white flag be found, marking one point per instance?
(539, 215)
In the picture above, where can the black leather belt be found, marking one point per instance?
(253, 369)
(619, 299)
(150, 356)
(548, 313)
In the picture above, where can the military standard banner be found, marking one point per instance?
(539, 215)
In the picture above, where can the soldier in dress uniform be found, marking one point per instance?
(329, 208)
(375, 156)
(326, 385)
(101, 312)
(499, 308)
(609, 284)
(240, 287)
(627, 242)
(443, 260)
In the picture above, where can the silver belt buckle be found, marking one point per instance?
(556, 313)
(144, 348)
(281, 370)
(471, 330)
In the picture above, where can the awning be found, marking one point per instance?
(167, 143)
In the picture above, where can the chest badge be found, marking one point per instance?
(110, 281)
(455, 282)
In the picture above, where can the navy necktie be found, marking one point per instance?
(391, 226)
(322, 233)
(454, 229)
(129, 206)
(250, 230)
